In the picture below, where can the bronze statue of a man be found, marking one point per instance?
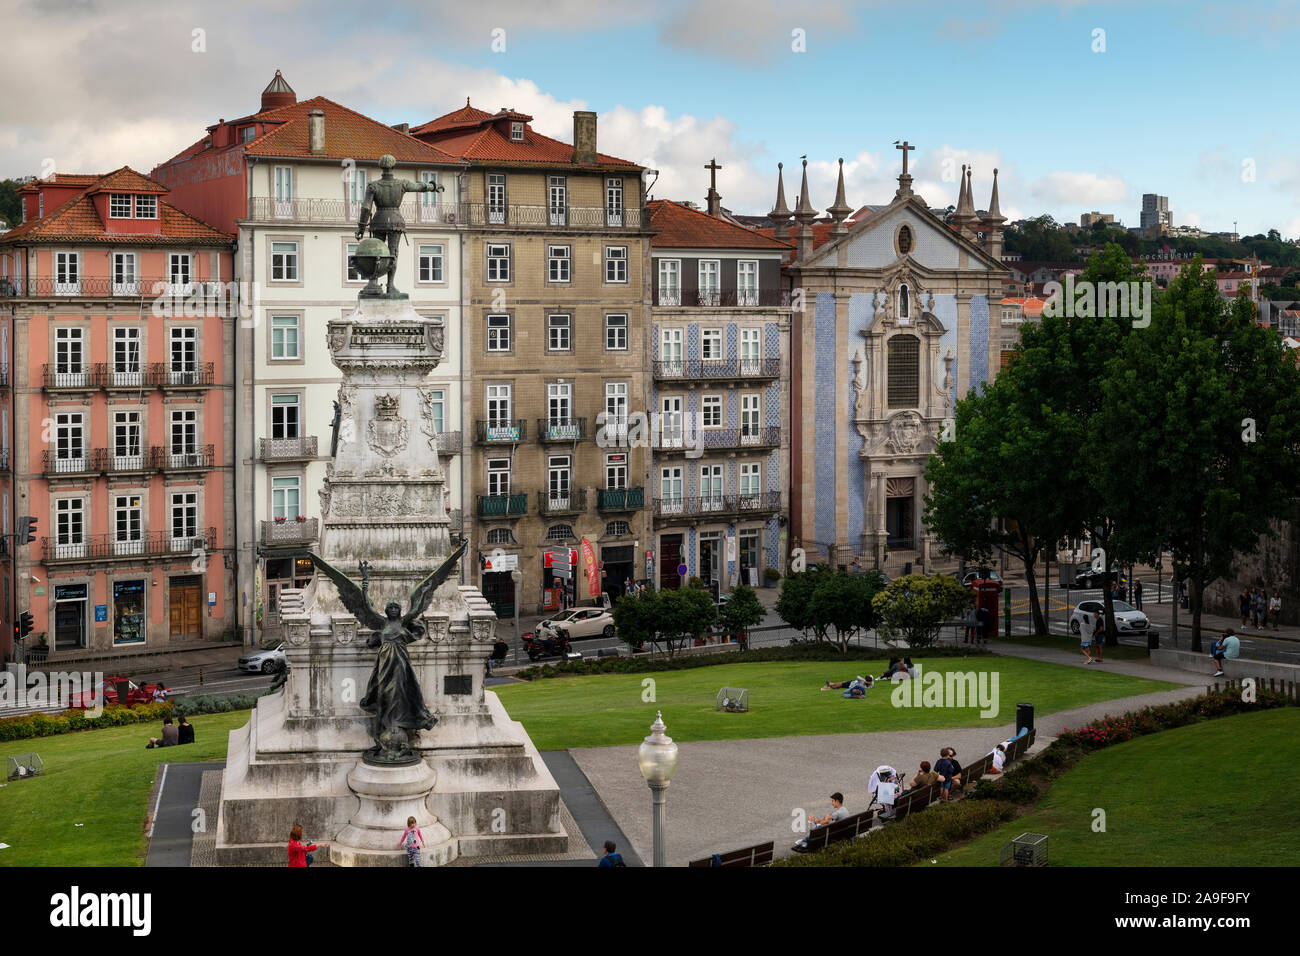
(387, 224)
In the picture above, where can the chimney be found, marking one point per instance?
(403, 127)
(584, 137)
(316, 132)
(277, 93)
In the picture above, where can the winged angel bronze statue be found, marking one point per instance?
(393, 694)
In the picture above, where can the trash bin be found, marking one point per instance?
(907, 568)
(1024, 717)
(1153, 640)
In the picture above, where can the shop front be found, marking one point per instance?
(70, 608)
(618, 565)
(128, 612)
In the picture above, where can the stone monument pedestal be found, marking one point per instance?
(389, 797)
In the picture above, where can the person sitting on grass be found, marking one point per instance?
(853, 689)
(170, 736)
(895, 665)
(838, 812)
(184, 731)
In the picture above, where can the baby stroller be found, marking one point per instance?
(884, 785)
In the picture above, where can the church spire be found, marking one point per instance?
(780, 214)
(992, 223)
(840, 211)
(965, 212)
(805, 214)
(994, 213)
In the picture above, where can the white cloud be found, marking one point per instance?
(1069, 189)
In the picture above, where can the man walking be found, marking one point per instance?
(1137, 594)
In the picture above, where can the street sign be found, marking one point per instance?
(501, 562)
(681, 570)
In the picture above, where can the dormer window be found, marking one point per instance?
(246, 133)
(119, 206)
(146, 207)
(517, 132)
(40, 206)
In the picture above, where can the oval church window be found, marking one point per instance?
(904, 240)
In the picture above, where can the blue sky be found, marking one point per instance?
(1183, 98)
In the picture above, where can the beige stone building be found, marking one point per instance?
(555, 279)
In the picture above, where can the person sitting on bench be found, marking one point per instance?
(924, 777)
(838, 812)
(999, 758)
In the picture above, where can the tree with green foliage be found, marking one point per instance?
(835, 605)
(742, 610)
(913, 607)
(10, 207)
(1040, 240)
(1207, 402)
(669, 617)
(636, 618)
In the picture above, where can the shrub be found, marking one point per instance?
(49, 725)
(771, 574)
(211, 704)
(1112, 730)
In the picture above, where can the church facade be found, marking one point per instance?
(900, 316)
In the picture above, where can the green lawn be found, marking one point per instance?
(100, 779)
(786, 700)
(1212, 794)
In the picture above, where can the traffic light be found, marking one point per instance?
(26, 530)
(24, 625)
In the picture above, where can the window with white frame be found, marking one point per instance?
(284, 261)
(615, 472)
(127, 349)
(751, 351)
(498, 477)
(498, 406)
(517, 132)
(710, 487)
(69, 442)
(69, 355)
(357, 178)
(429, 199)
(126, 274)
(119, 206)
(283, 189)
(498, 333)
(751, 480)
(559, 260)
(617, 529)
(438, 409)
(616, 406)
(747, 282)
(670, 351)
(711, 345)
(616, 263)
(185, 519)
(557, 199)
(710, 281)
(751, 418)
(748, 547)
(616, 332)
(180, 272)
(671, 421)
(614, 202)
(146, 207)
(128, 451)
(431, 263)
(128, 524)
(285, 337)
(496, 198)
(559, 405)
(184, 355)
(67, 273)
(670, 282)
(558, 480)
(185, 438)
(70, 527)
(559, 333)
(352, 274)
(711, 411)
(286, 498)
(671, 499)
(498, 262)
(286, 414)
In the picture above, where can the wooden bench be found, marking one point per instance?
(847, 829)
(758, 855)
(913, 801)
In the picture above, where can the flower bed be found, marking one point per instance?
(1113, 730)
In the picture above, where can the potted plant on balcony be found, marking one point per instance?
(280, 519)
(301, 518)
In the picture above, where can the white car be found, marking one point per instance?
(578, 623)
(1128, 619)
(264, 662)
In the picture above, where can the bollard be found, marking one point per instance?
(200, 676)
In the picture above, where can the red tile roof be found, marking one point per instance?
(126, 180)
(78, 221)
(348, 135)
(61, 179)
(472, 135)
(681, 227)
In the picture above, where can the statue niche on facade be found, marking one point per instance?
(393, 694)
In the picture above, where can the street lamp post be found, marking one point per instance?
(516, 576)
(657, 757)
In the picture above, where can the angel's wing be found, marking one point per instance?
(423, 593)
(350, 594)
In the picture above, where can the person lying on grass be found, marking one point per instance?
(853, 689)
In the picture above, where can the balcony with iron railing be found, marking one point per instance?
(503, 506)
(620, 499)
(110, 547)
(712, 507)
(720, 298)
(73, 462)
(186, 459)
(720, 370)
(287, 449)
(81, 462)
(763, 438)
(106, 287)
(289, 531)
(572, 502)
(499, 431)
(73, 377)
(418, 210)
(561, 429)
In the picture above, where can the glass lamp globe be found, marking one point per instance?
(657, 755)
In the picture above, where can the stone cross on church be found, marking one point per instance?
(713, 200)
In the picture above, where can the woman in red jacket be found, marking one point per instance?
(300, 855)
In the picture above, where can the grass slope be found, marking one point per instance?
(100, 779)
(786, 700)
(1212, 794)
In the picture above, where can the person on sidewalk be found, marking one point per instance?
(1275, 608)
(1099, 638)
(1243, 605)
(1085, 638)
(412, 839)
(1257, 609)
(1137, 594)
(611, 857)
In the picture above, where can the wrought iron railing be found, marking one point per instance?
(152, 544)
(707, 370)
(290, 531)
(501, 506)
(707, 506)
(572, 503)
(561, 429)
(500, 431)
(620, 499)
(287, 449)
(721, 298)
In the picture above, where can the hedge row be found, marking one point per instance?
(918, 837)
(71, 721)
(1150, 720)
(209, 704)
(794, 652)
